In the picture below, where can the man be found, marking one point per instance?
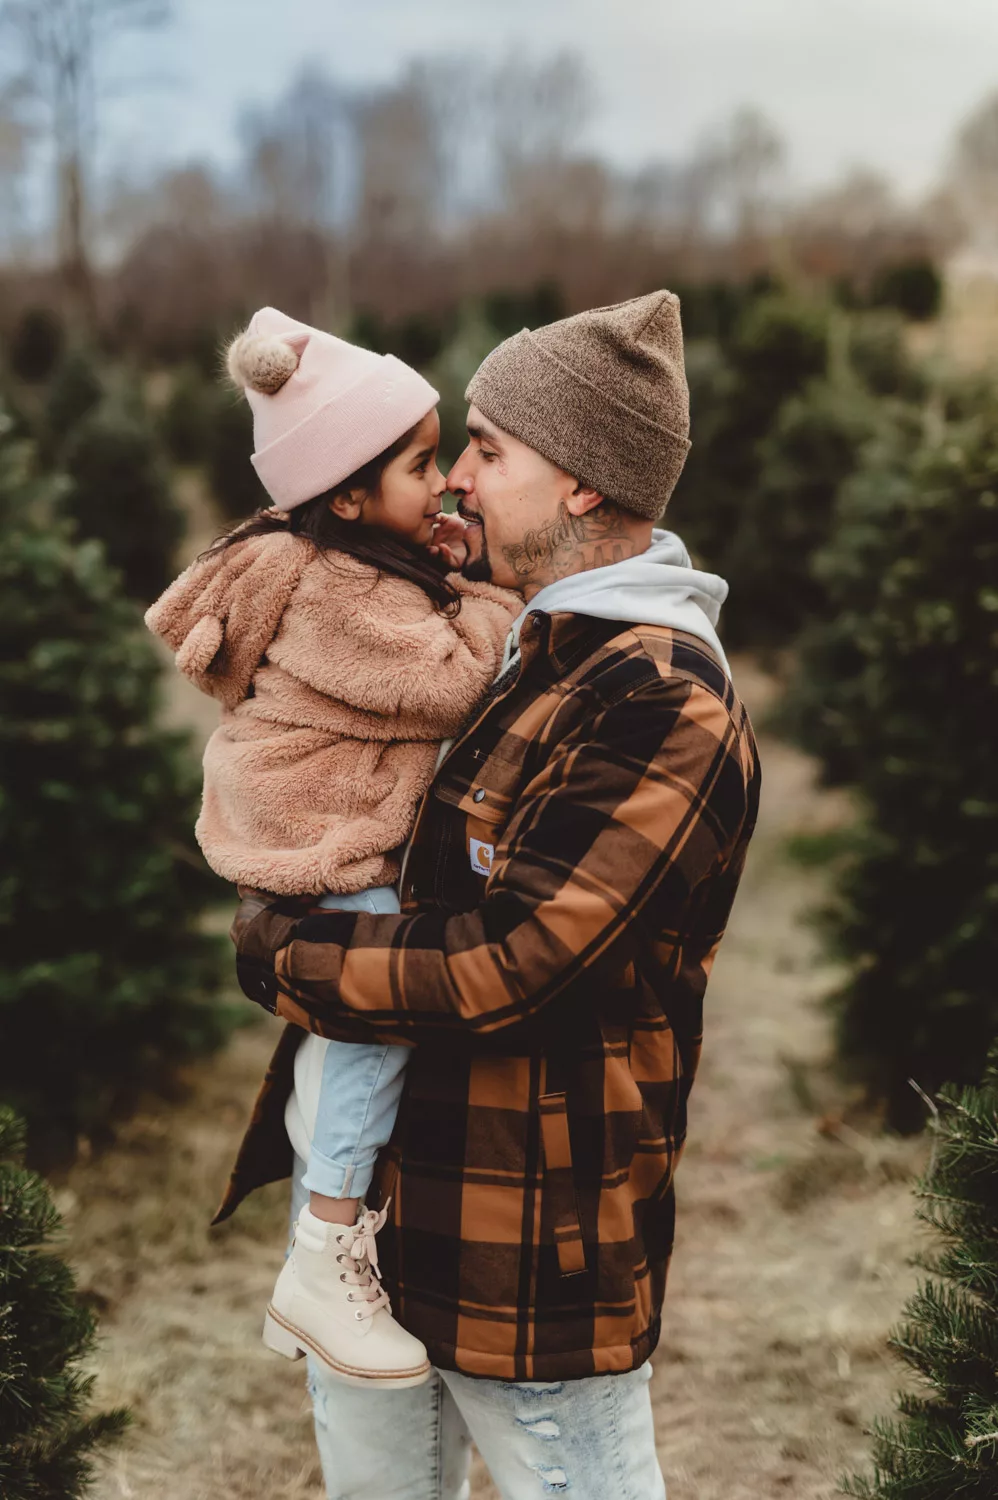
(569, 878)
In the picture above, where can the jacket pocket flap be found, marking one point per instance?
(560, 1183)
(476, 801)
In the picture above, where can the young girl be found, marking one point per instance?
(342, 654)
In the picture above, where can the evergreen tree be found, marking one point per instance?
(46, 1437)
(913, 286)
(814, 442)
(106, 977)
(231, 475)
(14, 420)
(875, 347)
(119, 492)
(781, 407)
(472, 339)
(36, 344)
(508, 312)
(945, 1445)
(737, 389)
(186, 417)
(896, 693)
(76, 389)
(813, 445)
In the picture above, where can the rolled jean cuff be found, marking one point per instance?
(334, 1180)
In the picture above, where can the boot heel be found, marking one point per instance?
(280, 1340)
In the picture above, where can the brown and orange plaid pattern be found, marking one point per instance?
(571, 875)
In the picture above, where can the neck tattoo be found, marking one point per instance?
(569, 544)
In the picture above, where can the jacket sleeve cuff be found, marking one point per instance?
(258, 982)
(261, 929)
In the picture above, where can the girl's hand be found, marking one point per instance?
(448, 541)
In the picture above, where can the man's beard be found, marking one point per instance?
(479, 569)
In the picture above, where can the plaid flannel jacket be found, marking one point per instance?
(570, 877)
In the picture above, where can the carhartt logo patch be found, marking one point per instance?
(481, 856)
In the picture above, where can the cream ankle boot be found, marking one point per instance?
(329, 1300)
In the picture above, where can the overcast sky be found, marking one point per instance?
(878, 82)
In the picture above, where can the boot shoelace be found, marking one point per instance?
(360, 1255)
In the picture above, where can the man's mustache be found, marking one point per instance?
(467, 514)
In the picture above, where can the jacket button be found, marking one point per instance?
(479, 796)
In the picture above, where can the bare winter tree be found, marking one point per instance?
(63, 46)
(189, 199)
(537, 116)
(291, 150)
(15, 136)
(860, 205)
(404, 200)
(740, 166)
(398, 202)
(974, 176)
(670, 203)
(400, 161)
(292, 177)
(542, 200)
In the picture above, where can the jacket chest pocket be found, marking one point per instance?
(471, 821)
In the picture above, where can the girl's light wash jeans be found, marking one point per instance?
(360, 1091)
(582, 1439)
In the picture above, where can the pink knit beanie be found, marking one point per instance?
(321, 407)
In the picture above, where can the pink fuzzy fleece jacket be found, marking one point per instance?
(336, 686)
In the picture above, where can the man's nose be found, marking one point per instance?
(460, 481)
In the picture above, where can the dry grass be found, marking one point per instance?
(795, 1229)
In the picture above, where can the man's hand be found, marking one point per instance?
(449, 540)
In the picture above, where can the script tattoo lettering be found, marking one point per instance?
(569, 544)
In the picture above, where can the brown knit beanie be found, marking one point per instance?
(603, 395)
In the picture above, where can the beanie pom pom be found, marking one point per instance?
(261, 362)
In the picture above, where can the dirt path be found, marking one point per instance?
(791, 1262)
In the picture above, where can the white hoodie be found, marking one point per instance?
(659, 587)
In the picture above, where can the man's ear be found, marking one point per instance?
(347, 505)
(582, 500)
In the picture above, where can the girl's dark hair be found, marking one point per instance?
(328, 532)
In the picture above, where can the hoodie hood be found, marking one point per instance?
(220, 615)
(659, 587)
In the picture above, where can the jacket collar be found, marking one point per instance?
(565, 639)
